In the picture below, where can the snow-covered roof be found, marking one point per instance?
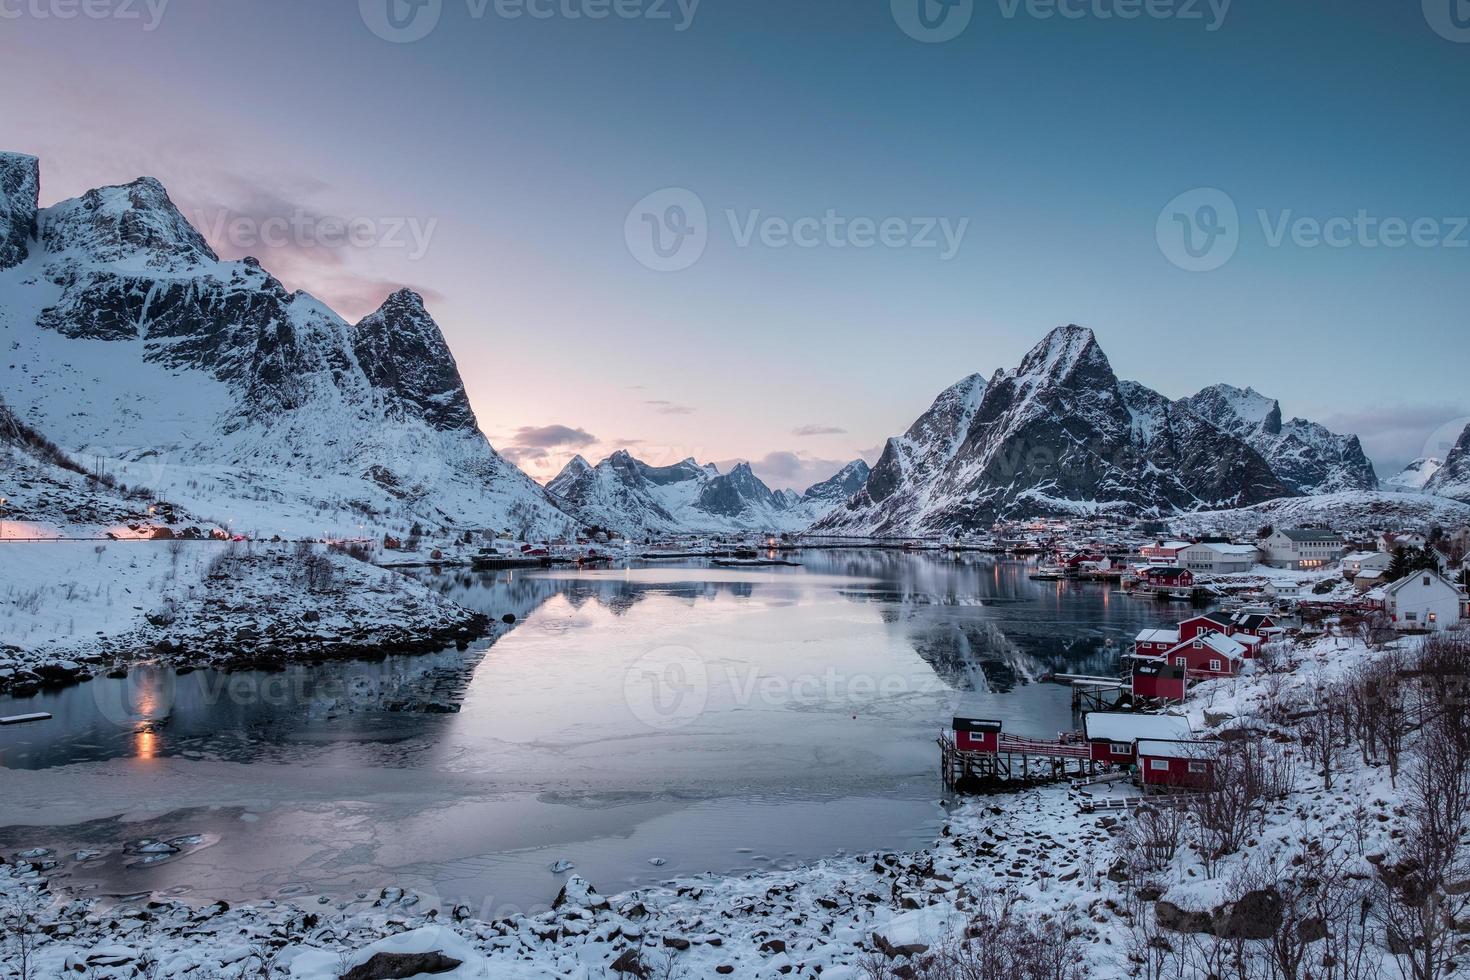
(1175, 749)
(1118, 726)
(1157, 636)
(1243, 550)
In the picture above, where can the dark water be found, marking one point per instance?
(709, 719)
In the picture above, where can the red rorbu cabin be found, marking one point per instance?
(1112, 736)
(1156, 678)
(1171, 764)
(976, 734)
(1211, 654)
(1153, 643)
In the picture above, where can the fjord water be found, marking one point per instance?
(660, 720)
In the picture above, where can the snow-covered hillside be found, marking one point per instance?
(688, 498)
(1307, 456)
(135, 348)
(1350, 512)
(1061, 435)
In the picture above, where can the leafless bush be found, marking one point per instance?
(1154, 835)
(997, 945)
(1378, 711)
(352, 549)
(1443, 669)
(1245, 775)
(1425, 889)
(21, 922)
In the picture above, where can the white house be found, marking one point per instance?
(1302, 548)
(1219, 559)
(1359, 562)
(1283, 588)
(1394, 540)
(1423, 601)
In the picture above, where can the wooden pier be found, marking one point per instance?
(1012, 763)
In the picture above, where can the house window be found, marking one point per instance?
(1159, 765)
(1411, 617)
(1434, 617)
(1181, 661)
(1117, 748)
(1199, 644)
(1426, 580)
(1215, 665)
(1197, 767)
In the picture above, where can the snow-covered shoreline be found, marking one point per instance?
(1059, 870)
(71, 610)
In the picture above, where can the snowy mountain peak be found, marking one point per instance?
(1062, 353)
(1307, 456)
(228, 394)
(20, 192)
(846, 482)
(1453, 479)
(135, 224)
(403, 353)
(1416, 475)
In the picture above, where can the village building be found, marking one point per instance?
(1424, 601)
(1219, 559)
(1394, 540)
(1163, 552)
(1155, 679)
(1358, 562)
(1113, 736)
(1154, 643)
(1165, 764)
(1302, 549)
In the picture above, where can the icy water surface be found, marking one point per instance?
(638, 723)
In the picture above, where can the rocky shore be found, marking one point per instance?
(229, 607)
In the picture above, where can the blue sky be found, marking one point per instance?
(516, 149)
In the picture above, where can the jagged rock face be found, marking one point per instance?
(898, 485)
(1453, 479)
(846, 482)
(20, 191)
(732, 494)
(403, 354)
(215, 364)
(1058, 435)
(1307, 456)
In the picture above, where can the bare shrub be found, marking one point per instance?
(1155, 834)
(1425, 889)
(22, 921)
(998, 944)
(1246, 774)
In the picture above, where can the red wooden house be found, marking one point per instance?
(976, 734)
(1112, 736)
(1175, 764)
(1168, 577)
(1211, 655)
(1155, 677)
(1154, 643)
(1218, 622)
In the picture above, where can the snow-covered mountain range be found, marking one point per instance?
(1062, 434)
(130, 344)
(1416, 476)
(1453, 478)
(1307, 457)
(626, 493)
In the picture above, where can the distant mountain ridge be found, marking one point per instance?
(1307, 456)
(627, 494)
(1453, 478)
(1058, 435)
